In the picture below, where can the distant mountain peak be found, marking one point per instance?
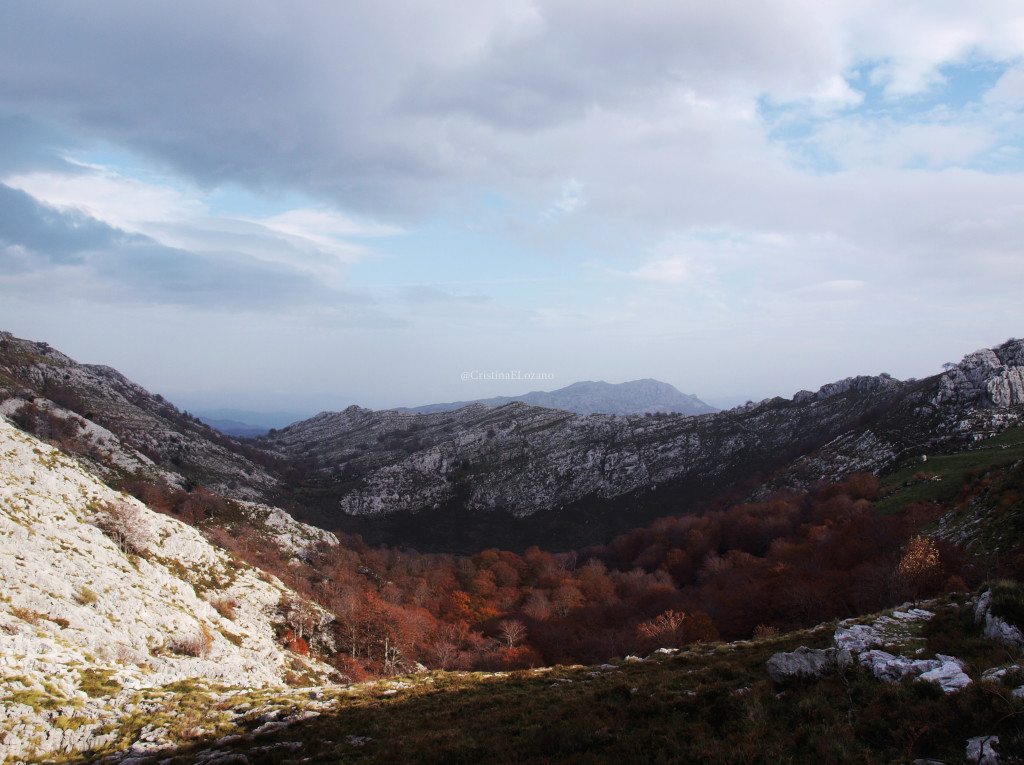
(595, 397)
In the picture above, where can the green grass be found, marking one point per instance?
(999, 450)
(97, 683)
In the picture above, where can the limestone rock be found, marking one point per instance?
(982, 750)
(989, 377)
(807, 663)
(77, 609)
(995, 628)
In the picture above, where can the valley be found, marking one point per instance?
(572, 583)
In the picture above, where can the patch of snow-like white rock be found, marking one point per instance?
(293, 536)
(72, 600)
(896, 631)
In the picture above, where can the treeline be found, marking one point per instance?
(791, 561)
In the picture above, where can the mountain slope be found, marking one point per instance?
(119, 427)
(103, 598)
(634, 397)
(504, 476)
(514, 475)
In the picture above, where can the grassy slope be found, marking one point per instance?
(713, 704)
(950, 470)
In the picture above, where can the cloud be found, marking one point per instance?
(570, 200)
(54, 250)
(728, 157)
(673, 271)
(52, 235)
(390, 109)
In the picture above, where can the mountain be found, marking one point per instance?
(244, 423)
(635, 397)
(518, 474)
(515, 475)
(120, 429)
(126, 636)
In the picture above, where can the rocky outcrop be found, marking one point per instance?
(862, 384)
(995, 628)
(865, 642)
(946, 671)
(807, 663)
(989, 377)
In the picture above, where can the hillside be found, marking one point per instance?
(634, 397)
(119, 428)
(104, 600)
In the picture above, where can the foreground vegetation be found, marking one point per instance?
(712, 703)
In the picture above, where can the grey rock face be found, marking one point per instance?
(989, 377)
(524, 459)
(995, 628)
(807, 663)
(983, 750)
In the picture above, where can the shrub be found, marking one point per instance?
(765, 631)
(126, 526)
(225, 606)
(1008, 602)
(196, 644)
(27, 615)
(85, 596)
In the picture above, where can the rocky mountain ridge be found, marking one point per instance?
(522, 461)
(588, 397)
(515, 474)
(156, 440)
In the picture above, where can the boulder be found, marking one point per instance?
(981, 750)
(807, 663)
(995, 628)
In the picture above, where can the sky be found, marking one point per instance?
(305, 205)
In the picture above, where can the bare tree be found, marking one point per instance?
(512, 632)
(126, 526)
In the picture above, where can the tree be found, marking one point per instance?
(512, 632)
(126, 526)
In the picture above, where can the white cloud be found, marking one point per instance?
(628, 128)
(670, 271)
(570, 200)
(1009, 90)
(126, 203)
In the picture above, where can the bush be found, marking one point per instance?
(197, 644)
(225, 606)
(126, 526)
(85, 596)
(1008, 602)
